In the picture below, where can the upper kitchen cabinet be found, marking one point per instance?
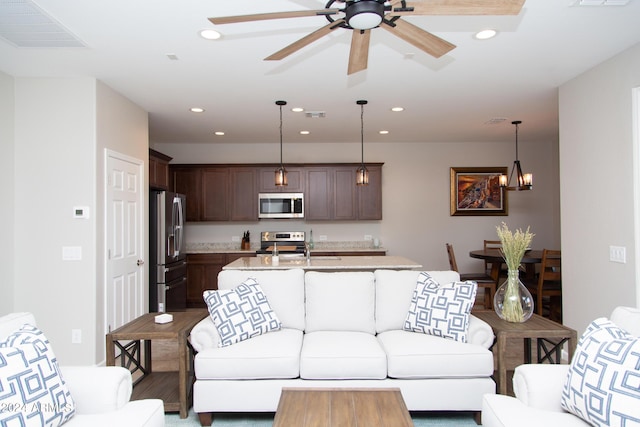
(244, 194)
(158, 170)
(331, 193)
(267, 182)
(370, 196)
(218, 193)
(188, 181)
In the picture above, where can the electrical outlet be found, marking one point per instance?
(323, 237)
(235, 238)
(368, 237)
(76, 336)
(618, 254)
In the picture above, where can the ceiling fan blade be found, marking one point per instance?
(424, 40)
(359, 54)
(274, 15)
(306, 40)
(462, 7)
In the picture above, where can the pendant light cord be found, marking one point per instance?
(362, 132)
(281, 135)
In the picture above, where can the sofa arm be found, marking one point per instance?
(480, 332)
(98, 389)
(540, 386)
(204, 335)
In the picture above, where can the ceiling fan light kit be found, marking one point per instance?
(361, 16)
(281, 172)
(364, 14)
(524, 181)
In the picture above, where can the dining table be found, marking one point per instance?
(494, 257)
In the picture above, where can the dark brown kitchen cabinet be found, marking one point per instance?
(332, 194)
(202, 274)
(215, 194)
(243, 194)
(188, 181)
(267, 182)
(158, 170)
(370, 196)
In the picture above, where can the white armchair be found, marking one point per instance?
(538, 389)
(101, 394)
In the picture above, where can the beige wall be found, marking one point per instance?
(7, 214)
(597, 177)
(416, 221)
(62, 127)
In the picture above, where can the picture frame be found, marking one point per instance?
(476, 191)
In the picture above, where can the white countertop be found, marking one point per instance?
(335, 263)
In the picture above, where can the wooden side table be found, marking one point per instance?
(174, 388)
(549, 335)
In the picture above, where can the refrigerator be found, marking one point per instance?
(168, 266)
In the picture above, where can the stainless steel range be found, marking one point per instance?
(288, 242)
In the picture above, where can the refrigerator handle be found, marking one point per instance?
(178, 224)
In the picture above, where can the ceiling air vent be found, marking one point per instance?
(24, 24)
(315, 114)
(495, 120)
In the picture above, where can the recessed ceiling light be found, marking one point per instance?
(218, 133)
(485, 34)
(210, 34)
(196, 110)
(297, 109)
(397, 109)
(304, 132)
(384, 132)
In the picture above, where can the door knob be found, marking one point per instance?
(140, 262)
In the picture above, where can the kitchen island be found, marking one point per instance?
(324, 263)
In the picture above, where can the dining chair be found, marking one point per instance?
(494, 244)
(549, 285)
(483, 280)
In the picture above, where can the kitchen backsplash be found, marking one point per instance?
(255, 245)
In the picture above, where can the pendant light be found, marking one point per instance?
(523, 181)
(362, 174)
(281, 172)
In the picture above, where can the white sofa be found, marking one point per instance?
(340, 329)
(538, 390)
(101, 394)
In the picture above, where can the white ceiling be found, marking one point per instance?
(514, 76)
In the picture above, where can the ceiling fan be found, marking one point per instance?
(363, 15)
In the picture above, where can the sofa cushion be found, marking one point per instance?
(284, 288)
(603, 383)
(394, 290)
(342, 355)
(32, 390)
(340, 301)
(411, 355)
(441, 309)
(273, 355)
(241, 313)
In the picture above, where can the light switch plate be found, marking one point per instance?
(618, 254)
(72, 253)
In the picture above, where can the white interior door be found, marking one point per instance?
(125, 284)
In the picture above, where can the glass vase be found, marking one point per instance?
(512, 301)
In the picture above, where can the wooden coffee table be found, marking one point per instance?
(174, 388)
(549, 335)
(344, 407)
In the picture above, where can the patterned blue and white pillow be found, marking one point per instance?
(603, 384)
(241, 313)
(32, 391)
(441, 310)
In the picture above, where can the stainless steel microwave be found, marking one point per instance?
(280, 205)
